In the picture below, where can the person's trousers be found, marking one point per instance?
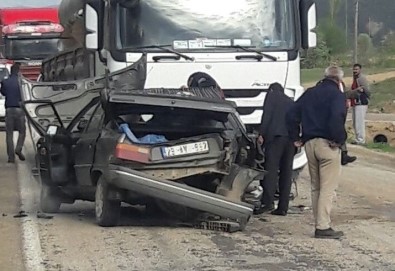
(343, 147)
(324, 168)
(279, 156)
(14, 121)
(358, 119)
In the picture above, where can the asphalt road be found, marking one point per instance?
(377, 117)
(72, 241)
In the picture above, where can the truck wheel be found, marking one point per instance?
(49, 201)
(107, 211)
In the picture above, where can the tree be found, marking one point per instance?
(334, 6)
(365, 48)
(334, 36)
(317, 57)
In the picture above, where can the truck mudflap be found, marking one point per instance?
(177, 193)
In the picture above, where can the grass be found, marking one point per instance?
(380, 147)
(383, 97)
(314, 75)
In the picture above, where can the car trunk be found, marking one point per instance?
(192, 140)
(159, 134)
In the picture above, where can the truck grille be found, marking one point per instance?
(30, 72)
(247, 110)
(243, 93)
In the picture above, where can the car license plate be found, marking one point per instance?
(185, 149)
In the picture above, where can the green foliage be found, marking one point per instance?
(383, 97)
(380, 147)
(334, 6)
(317, 57)
(365, 48)
(389, 44)
(331, 42)
(334, 37)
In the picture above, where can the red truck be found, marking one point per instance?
(28, 36)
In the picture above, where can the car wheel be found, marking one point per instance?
(107, 210)
(49, 201)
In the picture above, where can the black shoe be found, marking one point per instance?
(20, 156)
(347, 159)
(263, 209)
(279, 212)
(328, 234)
(11, 161)
(351, 159)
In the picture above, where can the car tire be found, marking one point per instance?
(107, 210)
(49, 201)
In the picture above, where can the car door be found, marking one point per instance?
(52, 110)
(84, 149)
(68, 98)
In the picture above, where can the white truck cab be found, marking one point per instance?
(245, 45)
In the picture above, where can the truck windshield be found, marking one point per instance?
(198, 24)
(30, 49)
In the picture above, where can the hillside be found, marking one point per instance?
(378, 12)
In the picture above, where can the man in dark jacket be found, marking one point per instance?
(320, 113)
(15, 117)
(279, 150)
(345, 158)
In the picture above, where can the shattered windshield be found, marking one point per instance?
(198, 24)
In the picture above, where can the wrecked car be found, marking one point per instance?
(185, 153)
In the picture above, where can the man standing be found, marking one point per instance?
(279, 150)
(360, 95)
(15, 117)
(320, 114)
(345, 158)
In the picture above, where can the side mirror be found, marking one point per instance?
(94, 24)
(308, 22)
(91, 27)
(82, 125)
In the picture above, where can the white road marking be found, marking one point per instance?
(30, 234)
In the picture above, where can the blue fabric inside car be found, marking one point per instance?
(150, 139)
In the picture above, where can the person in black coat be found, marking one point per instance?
(15, 117)
(279, 150)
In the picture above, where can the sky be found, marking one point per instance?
(28, 3)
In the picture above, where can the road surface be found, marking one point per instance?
(364, 210)
(379, 117)
(373, 78)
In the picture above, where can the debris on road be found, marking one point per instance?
(21, 214)
(44, 216)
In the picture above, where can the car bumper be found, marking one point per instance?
(177, 193)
